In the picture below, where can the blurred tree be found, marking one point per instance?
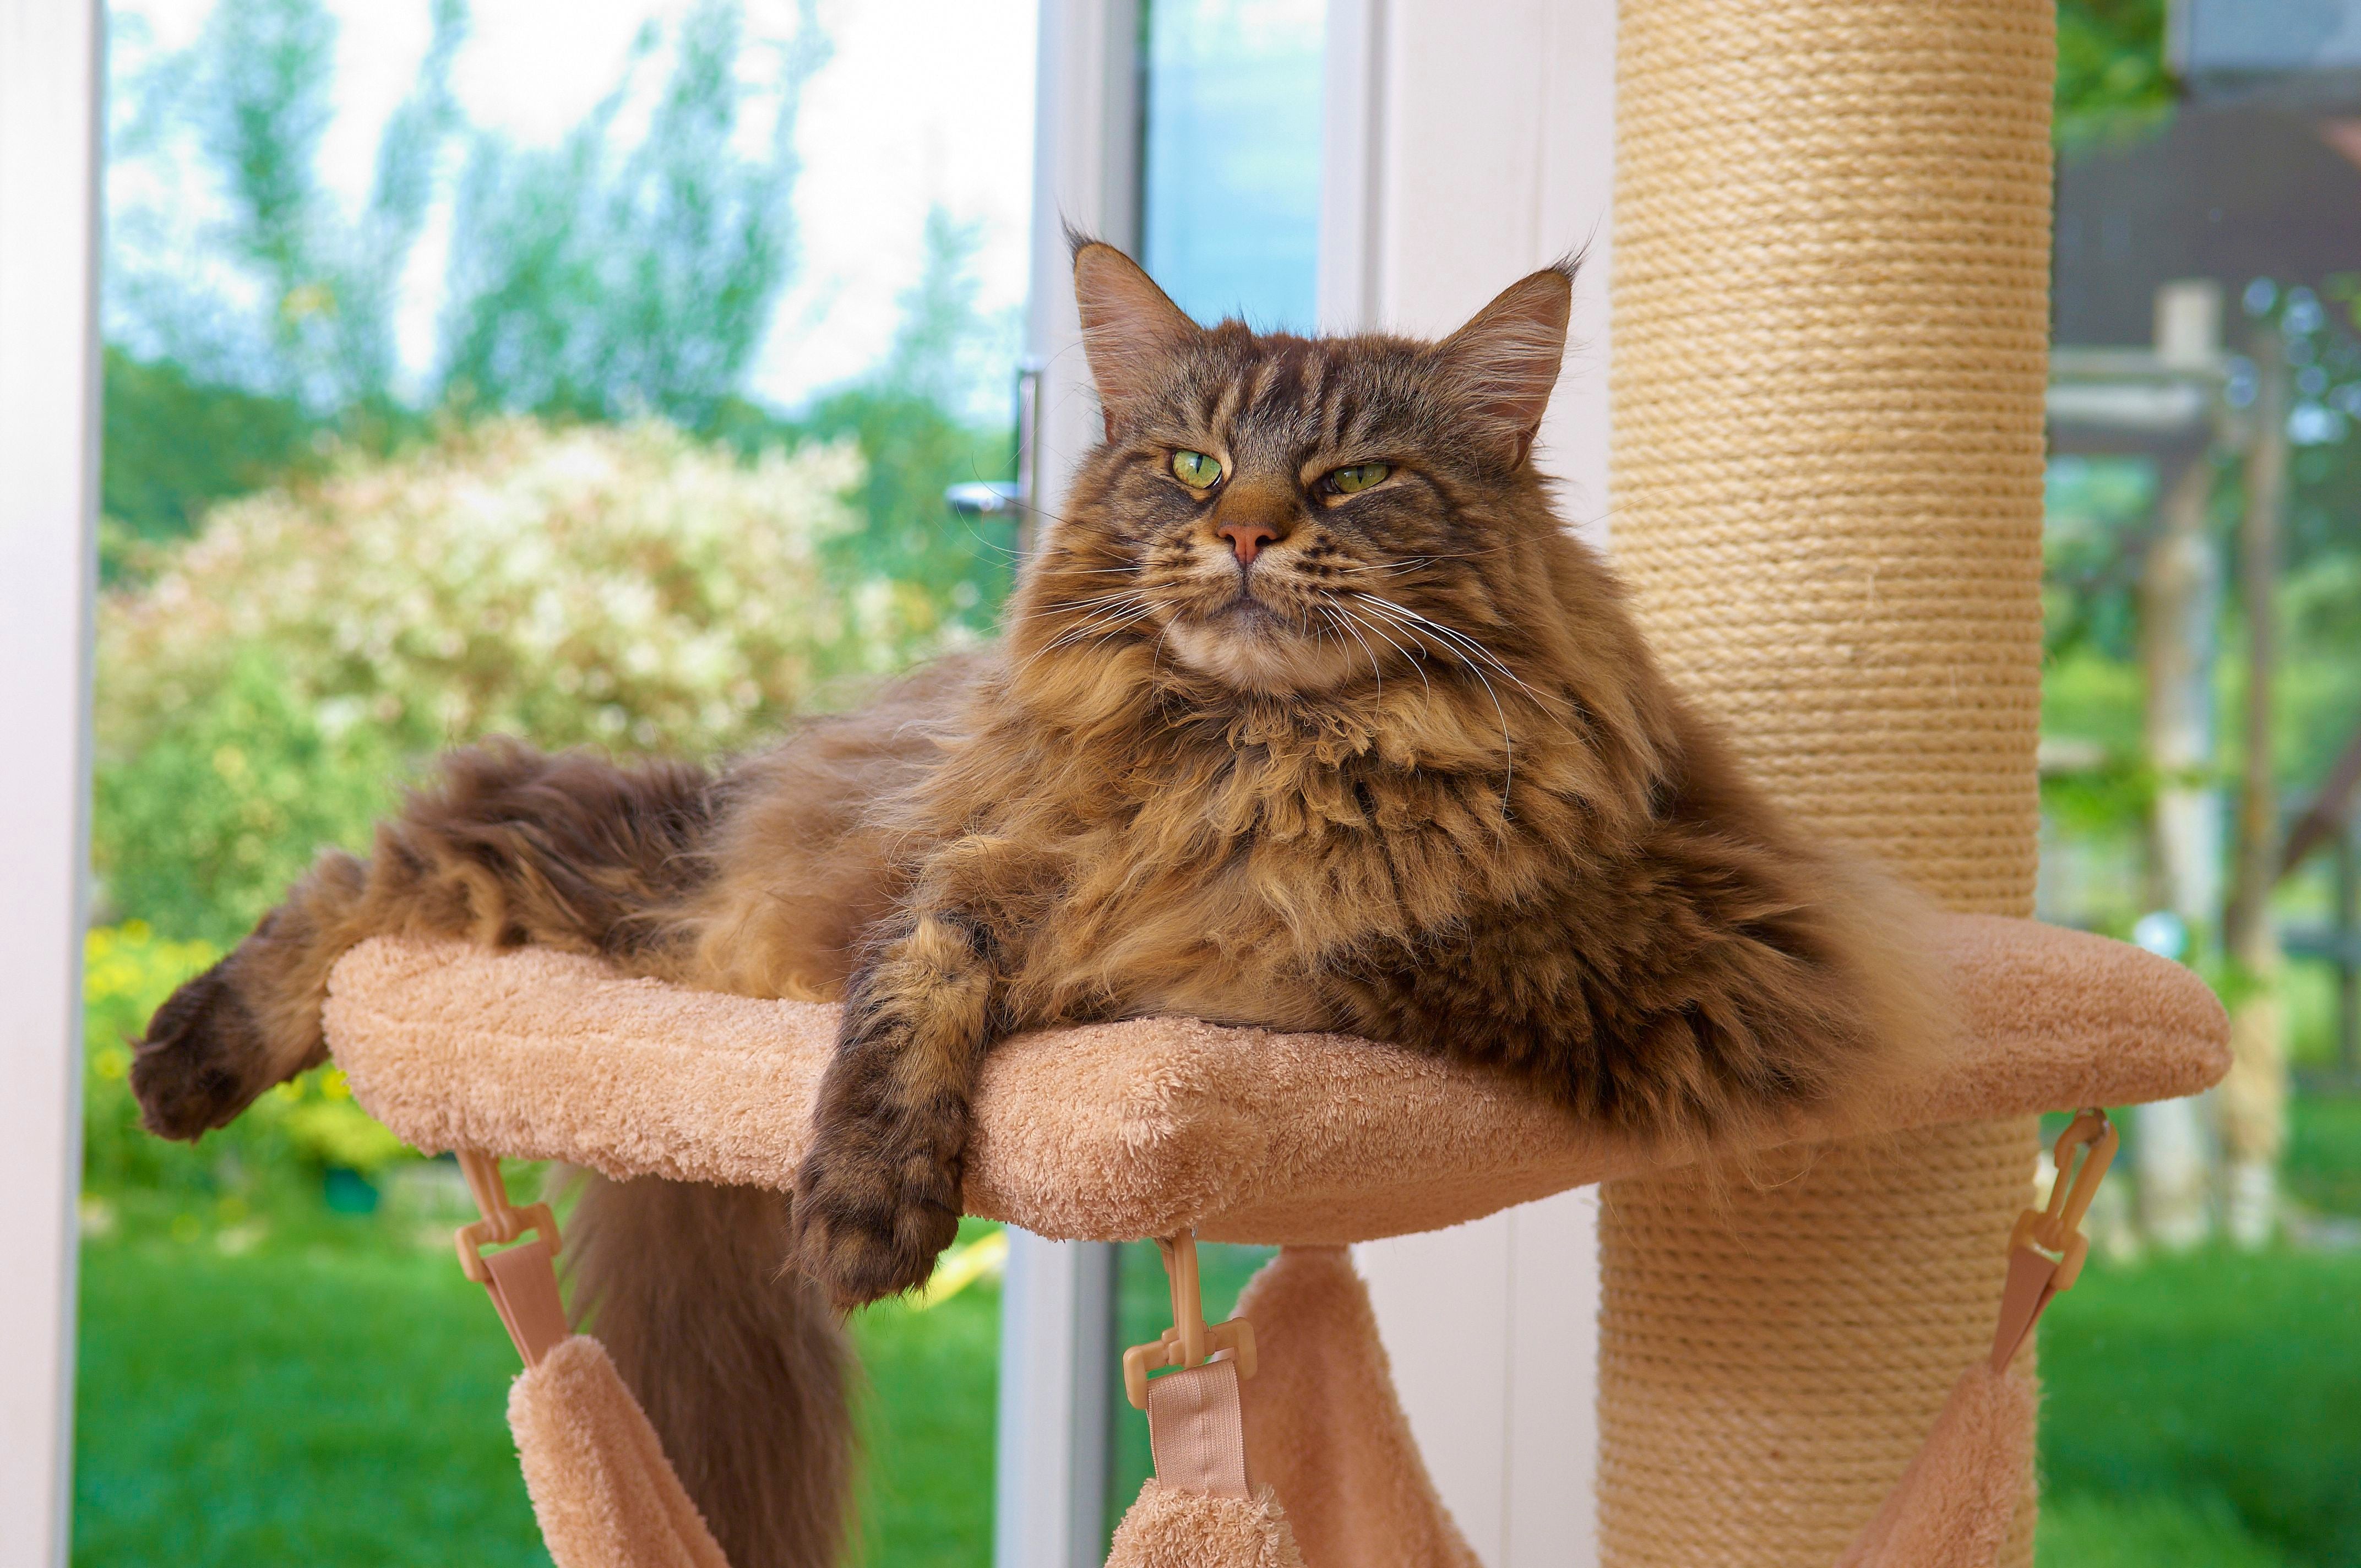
(299, 302)
(912, 422)
(2317, 693)
(172, 446)
(598, 280)
(265, 691)
(2112, 78)
(208, 809)
(607, 285)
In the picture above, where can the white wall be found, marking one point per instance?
(1492, 1330)
(1470, 141)
(49, 51)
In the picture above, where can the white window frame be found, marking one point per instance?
(1057, 1307)
(49, 53)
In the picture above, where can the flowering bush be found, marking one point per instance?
(276, 1152)
(628, 587)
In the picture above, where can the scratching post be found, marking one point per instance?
(1829, 327)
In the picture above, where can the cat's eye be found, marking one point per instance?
(1359, 476)
(1196, 470)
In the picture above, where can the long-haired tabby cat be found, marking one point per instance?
(1310, 714)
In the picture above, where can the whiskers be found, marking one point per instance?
(1421, 630)
(1069, 606)
(1127, 610)
(1458, 643)
(1338, 613)
(1407, 565)
(1096, 619)
(1318, 629)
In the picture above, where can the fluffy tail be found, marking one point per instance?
(742, 1372)
(508, 845)
(741, 1369)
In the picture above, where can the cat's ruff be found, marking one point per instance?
(1154, 1126)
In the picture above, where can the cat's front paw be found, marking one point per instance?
(871, 1217)
(201, 1062)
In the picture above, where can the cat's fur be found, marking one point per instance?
(1409, 774)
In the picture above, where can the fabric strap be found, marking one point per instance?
(523, 1287)
(2032, 1286)
(1195, 1429)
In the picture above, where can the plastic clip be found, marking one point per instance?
(521, 1280)
(2035, 1276)
(1190, 1341)
(503, 1221)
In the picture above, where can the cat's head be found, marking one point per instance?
(1291, 515)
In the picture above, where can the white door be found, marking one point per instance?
(48, 90)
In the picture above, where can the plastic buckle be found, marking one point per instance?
(2058, 1227)
(2047, 1247)
(1190, 1341)
(503, 1221)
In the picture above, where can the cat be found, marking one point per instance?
(1309, 713)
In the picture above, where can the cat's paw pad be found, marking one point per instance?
(868, 1225)
(192, 1071)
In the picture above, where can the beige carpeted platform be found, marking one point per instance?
(1156, 1125)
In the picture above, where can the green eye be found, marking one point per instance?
(1196, 470)
(1359, 476)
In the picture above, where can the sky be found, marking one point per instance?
(921, 102)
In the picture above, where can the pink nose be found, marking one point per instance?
(1247, 538)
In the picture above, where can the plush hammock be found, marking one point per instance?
(1829, 320)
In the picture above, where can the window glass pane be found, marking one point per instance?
(1230, 207)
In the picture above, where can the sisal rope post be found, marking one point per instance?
(1829, 326)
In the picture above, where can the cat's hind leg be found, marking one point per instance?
(508, 845)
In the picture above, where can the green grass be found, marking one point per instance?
(933, 1378)
(2147, 1532)
(2203, 1406)
(341, 1406)
(334, 1407)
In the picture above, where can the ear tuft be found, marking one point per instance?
(1130, 329)
(1505, 361)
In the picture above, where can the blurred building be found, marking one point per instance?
(2258, 175)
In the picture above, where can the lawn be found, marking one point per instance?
(2206, 1411)
(342, 1407)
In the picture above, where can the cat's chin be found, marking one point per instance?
(1254, 650)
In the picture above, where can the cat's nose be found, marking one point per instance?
(1247, 537)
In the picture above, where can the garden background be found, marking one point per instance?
(574, 516)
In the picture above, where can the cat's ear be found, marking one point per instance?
(1504, 362)
(1130, 330)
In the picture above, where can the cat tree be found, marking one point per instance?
(1831, 241)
